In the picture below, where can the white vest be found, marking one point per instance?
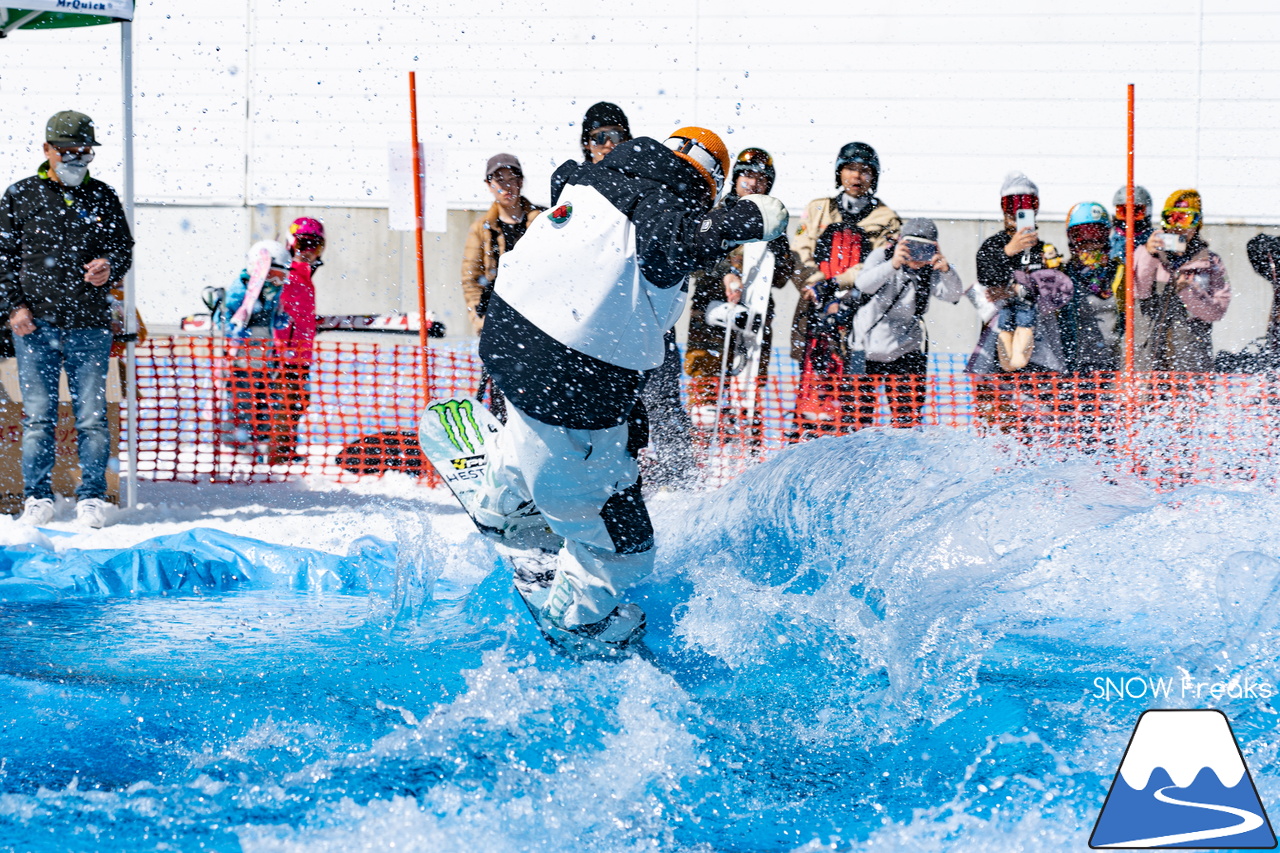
(579, 282)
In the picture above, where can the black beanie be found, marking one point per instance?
(599, 115)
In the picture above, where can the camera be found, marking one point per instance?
(920, 250)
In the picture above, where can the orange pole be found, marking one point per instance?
(1130, 401)
(417, 234)
(1128, 250)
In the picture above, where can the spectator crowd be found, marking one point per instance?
(864, 277)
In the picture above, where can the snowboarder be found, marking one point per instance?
(617, 244)
(295, 336)
(247, 315)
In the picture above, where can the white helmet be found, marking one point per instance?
(277, 256)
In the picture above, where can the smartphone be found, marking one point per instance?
(1175, 243)
(1025, 219)
(920, 250)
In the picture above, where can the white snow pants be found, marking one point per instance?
(587, 485)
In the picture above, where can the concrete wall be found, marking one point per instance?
(261, 102)
(248, 111)
(370, 269)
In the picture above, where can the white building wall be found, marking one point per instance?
(250, 103)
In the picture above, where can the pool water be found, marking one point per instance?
(887, 641)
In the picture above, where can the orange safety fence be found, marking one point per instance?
(248, 414)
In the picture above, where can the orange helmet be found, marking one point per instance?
(705, 151)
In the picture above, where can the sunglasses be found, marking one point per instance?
(71, 155)
(604, 137)
(1013, 203)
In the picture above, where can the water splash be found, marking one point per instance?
(887, 641)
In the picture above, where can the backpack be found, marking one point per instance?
(841, 246)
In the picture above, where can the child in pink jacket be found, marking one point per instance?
(295, 337)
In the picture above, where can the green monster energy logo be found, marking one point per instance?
(456, 416)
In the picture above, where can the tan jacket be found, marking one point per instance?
(880, 225)
(485, 247)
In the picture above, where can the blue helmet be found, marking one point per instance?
(1088, 213)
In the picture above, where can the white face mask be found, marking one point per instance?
(71, 174)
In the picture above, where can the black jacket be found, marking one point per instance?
(668, 204)
(996, 269)
(48, 232)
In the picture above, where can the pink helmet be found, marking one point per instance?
(302, 227)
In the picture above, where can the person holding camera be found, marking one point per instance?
(1018, 275)
(1141, 220)
(1181, 289)
(898, 282)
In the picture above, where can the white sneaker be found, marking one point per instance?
(504, 516)
(37, 511)
(624, 624)
(92, 512)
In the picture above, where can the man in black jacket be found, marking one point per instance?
(63, 241)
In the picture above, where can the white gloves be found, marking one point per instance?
(772, 211)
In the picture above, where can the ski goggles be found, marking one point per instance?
(1181, 218)
(1089, 231)
(1022, 201)
(1139, 213)
(754, 160)
(604, 137)
(704, 159)
(307, 242)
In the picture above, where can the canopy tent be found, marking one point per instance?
(54, 14)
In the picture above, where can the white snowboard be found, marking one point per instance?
(456, 435)
(757, 281)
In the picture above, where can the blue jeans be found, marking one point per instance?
(1017, 314)
(41, 357)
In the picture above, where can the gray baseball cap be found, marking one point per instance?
(69, 128)
(498, 161)
(921, 229)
